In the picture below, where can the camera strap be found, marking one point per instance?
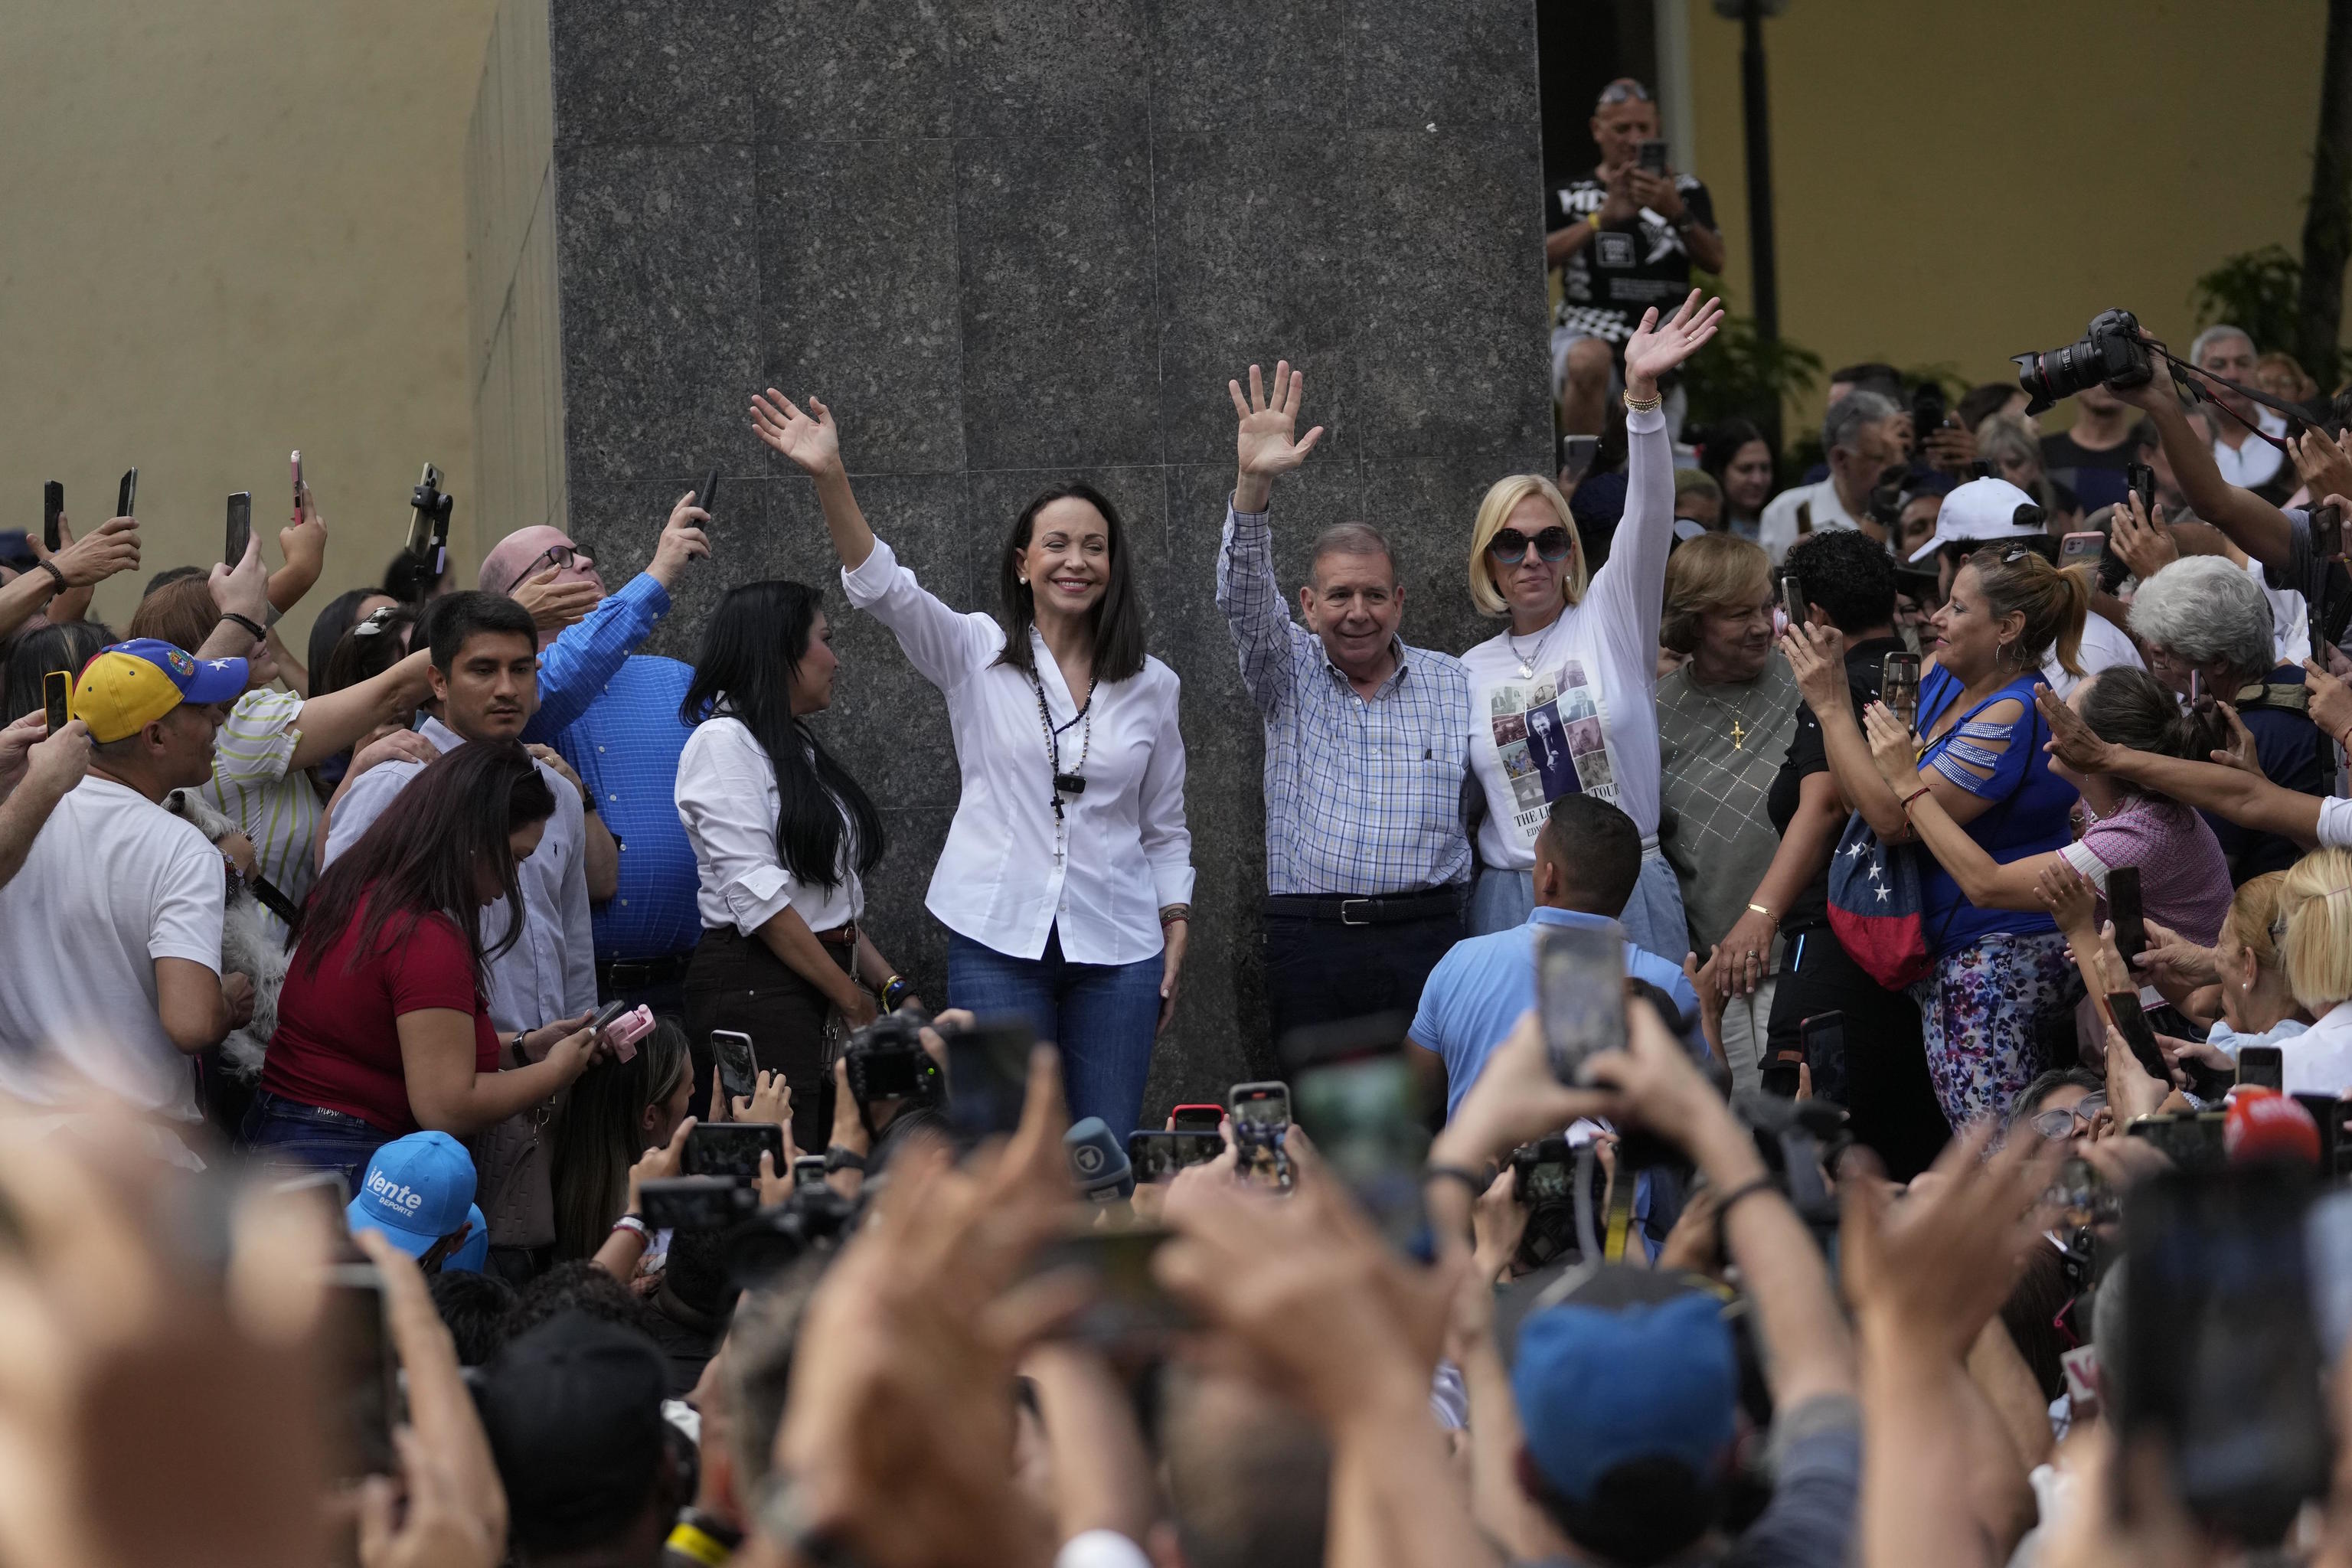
(2198, 394)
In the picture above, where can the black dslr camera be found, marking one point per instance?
(2110, 354)
(768, 1241)
(887, 1061)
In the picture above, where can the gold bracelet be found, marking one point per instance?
(1768, 915)
(1593, 219)
(1644, 405)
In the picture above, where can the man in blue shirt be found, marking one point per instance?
(1587, 857)
(612, 714)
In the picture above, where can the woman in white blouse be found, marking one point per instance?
(1066, 878)
(1565, 698)
(783, 838)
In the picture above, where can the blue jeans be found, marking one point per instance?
(1102, 1015)
(288, 1135)
(1653, 917)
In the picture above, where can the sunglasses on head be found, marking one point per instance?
(1553, 544)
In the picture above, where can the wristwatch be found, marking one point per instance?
(842, 1157)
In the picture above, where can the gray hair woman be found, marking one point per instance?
(2207, 625)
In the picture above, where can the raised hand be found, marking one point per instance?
(682, 539)
(2142, 540)
(1657, 346)
(1267, 442)
(1816, 657)
(113, 548)
(2329, 703)
(2240, 752)
(2071, 740)
(810, 440)
(243, 589)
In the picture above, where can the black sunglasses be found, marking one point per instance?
(1553, 544)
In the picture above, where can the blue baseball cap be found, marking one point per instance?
(417, 1190)
(1598, 1387)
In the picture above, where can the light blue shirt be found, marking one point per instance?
(1476, 993)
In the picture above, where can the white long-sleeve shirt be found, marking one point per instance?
(1586, 721)
(728, 799)
(1125, 849)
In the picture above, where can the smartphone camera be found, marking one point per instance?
(1580, 994)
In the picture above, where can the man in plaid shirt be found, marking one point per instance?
(1367, 749)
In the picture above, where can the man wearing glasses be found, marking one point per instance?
(613, 715)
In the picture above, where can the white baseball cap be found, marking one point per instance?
(1981, 512)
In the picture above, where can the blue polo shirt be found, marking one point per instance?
(1475, 995)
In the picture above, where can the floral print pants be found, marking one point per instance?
(1977, 1012)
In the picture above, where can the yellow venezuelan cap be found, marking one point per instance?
(130, 685)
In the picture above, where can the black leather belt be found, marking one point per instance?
(642, 973)
(1378, 910)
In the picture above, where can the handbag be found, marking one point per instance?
(516, 1188)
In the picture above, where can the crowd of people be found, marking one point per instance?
(451, 1093)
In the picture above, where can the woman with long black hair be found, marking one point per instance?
(1066, 880)
(783, 838)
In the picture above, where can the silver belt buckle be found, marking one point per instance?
(1348, 908)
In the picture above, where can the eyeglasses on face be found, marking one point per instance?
(1553, 544)
(2062, 1122)
(556, 555)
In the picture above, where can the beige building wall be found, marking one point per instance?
(235, 227)
(1957, 184)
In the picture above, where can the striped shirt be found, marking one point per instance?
(251, 786)
(1363, 797)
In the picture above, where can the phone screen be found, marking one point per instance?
(605, 1014)
(2222, 1355)
(2327, 531)
(1261, 1105)
(739, 1069)
(240, 528)
(57, 695)
(1654, 157)
(1792, 598)
(808, 1170)
(2123, 907)
(1158, 1156)
(301, 492)
(2133, 1025)
(1898, 687)
(362, 1381)
(695, 1202)
(732, 1148)
(1365, 1117)
(53, 507)
(1579, 992)
(126, 495)
(988, 1079)
(2262, 1066)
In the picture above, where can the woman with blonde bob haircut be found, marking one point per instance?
(2317, 900)
(1565, 697)
(1724, 717)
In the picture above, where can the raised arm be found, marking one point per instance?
(812, 442)
(2247, 799)
(83, 564)
(2258, 528)
(1247, 589)
(944, 644)
(1629, 590)
(338, 720)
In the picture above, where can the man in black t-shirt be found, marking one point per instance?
(1849, 581)
(2107, 437)
(1624, 237)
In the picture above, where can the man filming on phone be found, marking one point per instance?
(1623, 239)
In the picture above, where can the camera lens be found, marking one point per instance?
(2052, 377)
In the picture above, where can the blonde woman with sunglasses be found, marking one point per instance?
(1566, 695)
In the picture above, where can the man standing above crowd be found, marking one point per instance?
(485, 688)
(612, 714)
(1624, 237)
(2091, 457)
(1367, 749)
(1862, 438)
(110, 933)
(2244, 459)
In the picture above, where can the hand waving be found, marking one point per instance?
(1657, 346)
(1266, 441)
(810, 440)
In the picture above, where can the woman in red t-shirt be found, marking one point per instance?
(382, 1025)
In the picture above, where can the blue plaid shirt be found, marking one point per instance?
(613, 717)
(1362, 796)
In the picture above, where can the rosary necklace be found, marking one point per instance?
(1070, 782)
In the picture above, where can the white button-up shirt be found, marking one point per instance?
(728, 799)
(2319, 1060)
(551, 971)
(1125, 848)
